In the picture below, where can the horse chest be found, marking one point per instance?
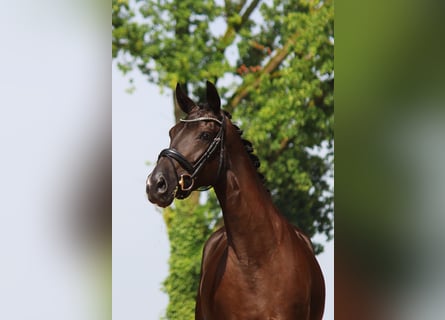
(230, 288)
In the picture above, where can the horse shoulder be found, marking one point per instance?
(212, 248)
(304, 238)
(318, 291)
(213, 242)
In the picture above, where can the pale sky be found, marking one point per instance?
(141, 121)
(54, 124)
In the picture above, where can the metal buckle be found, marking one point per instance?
(186, 182)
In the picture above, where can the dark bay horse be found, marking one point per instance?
(258, 266)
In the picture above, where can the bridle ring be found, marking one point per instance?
(186, 182)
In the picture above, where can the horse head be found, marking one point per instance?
(194, 158)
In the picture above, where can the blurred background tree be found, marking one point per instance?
(273, 64)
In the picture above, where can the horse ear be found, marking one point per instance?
(183, 100)
(213, 98)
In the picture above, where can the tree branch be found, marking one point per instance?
(248, 12)
(272, 65)
(231, 30)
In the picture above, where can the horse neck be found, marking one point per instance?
(251, 220)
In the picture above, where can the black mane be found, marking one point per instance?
(249, 148)
(203, 108)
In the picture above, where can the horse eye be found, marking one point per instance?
(205, 136)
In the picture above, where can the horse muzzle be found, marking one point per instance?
(160, 190)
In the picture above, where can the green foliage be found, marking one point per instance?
(291, 112)
(272, 62)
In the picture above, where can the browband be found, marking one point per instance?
(202, 119)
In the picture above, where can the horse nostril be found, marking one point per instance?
(161, 185)
(147, 188)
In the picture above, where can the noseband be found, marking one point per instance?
(186, 181)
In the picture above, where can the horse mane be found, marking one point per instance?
(204, 107)
(249, 149)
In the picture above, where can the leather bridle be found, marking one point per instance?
(187, 181)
